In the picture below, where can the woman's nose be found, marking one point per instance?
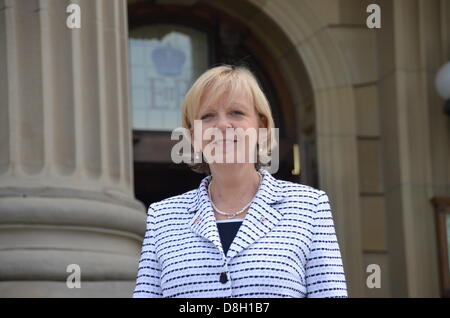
(223, 123)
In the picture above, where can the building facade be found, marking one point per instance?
(77, 165)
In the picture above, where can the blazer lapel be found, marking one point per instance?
(261, 217)
(203, 221)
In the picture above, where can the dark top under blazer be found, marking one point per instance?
(227, 232)
(285, 247)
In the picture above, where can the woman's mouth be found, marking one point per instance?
(225, 142)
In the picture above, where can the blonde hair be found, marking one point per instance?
(228, 80)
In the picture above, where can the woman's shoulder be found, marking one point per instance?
(183, 200)
(293, 189)
(301, 199)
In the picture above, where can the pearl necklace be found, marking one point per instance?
(233, 214)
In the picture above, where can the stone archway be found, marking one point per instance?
(317, 75)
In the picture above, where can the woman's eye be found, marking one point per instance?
(237, 112)
(205, 116)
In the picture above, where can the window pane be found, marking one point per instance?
(164, 62)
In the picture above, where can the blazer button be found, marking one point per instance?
(223, 278)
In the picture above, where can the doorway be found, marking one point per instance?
(217, 38)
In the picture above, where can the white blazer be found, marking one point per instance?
(285, 247)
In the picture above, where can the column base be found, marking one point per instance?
(48, 289)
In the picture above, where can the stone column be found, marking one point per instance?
(416, 142)
(66, 182)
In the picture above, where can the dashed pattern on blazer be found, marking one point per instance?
(285, 247)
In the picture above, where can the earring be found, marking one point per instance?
(260, 149)
(197, 156)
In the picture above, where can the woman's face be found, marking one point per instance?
(225, 113)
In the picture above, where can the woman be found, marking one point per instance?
(242, 233)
